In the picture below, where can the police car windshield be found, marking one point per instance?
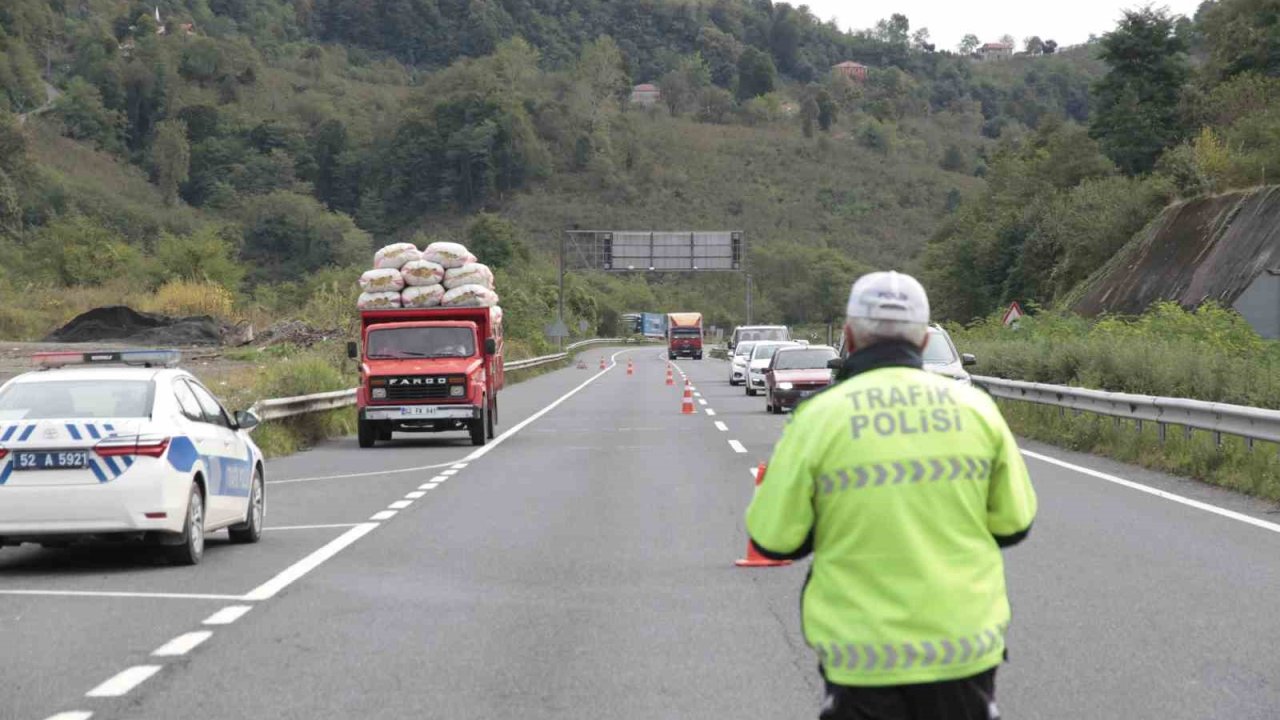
(421, 343)
(938, 351)
(803, 359)
(77, 400)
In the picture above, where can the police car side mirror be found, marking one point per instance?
(246, 420)
(490, 346)
(968, 359)
(353, 350)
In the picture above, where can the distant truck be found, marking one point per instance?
(684, 335)
(428, 370)
(653, 325)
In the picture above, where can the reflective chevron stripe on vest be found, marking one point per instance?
(870, 658)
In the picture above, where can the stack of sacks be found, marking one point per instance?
(444, 274)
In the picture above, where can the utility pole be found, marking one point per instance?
(560, 311)
(749, 298)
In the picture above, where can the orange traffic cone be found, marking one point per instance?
(582, 364)
(671, 380)
(631, 368)
(686, 408)
(601, 362)
(753, 558)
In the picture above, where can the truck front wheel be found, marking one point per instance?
(366, 433)
(478, 427)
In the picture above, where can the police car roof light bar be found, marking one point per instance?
(139, 358)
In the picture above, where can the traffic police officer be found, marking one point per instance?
(904, 485)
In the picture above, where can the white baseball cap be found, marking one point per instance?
(889, 296)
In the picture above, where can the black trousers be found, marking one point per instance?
(971, 698)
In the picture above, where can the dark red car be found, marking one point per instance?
(796, 373)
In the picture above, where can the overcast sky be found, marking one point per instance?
(1069, 22)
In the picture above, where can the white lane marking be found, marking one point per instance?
(438, 479)
(702, 401)
(429, 486)
(1231, 514)
(183, 644)
(126, 681)
(297, 570)
(697, 394)
(737, 446)
(711, 412)
(721, 426)
(383, 515)
(110, 594)
(399, 471)
(227, 615)
(399, 504)
(74, 715)
(415, 495)
(459, 466)
(313, 527)
(482, 451)
(449, 473)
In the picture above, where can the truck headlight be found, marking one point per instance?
(457, 391)
(378, 394)
(785, 386)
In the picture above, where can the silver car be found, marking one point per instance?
(940, 356)
(738, 359)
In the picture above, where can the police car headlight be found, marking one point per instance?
(378, 394)
(457, 391)
(785, 386)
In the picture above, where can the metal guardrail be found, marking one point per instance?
(279, 408)
(1219, 418)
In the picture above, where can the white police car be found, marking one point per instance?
(124, 444)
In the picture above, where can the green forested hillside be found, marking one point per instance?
(241, 156)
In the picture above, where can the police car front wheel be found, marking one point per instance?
(250, 531)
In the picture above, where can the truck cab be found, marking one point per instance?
(428, 370)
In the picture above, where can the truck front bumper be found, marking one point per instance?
(411, 413)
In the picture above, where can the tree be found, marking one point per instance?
(920, 39)
(1050, 47)
(1034, 45)
(208, 255)
(969, 44)
(84, 117)
(493, 240)
(756, 74)
(953, 160)
(808, 115)
(170, 158)
(721, 52)
(1137, 103)
(1008, 39)
(682, 85)
(1243, 36)
(826, 110)
(894, 31)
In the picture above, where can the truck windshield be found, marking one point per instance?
(423, 342)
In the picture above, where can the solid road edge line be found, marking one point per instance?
(1163, 494)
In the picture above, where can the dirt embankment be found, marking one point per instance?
(1210, 248)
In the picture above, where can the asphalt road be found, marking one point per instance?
(582, 567)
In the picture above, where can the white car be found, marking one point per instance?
(941, 357)
(124, 444)
(758, 364)
(738, 363)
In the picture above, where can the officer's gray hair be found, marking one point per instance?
(867, 332)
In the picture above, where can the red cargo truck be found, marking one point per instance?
(428, 370)
(684, 335)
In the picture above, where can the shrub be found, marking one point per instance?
(183, 298)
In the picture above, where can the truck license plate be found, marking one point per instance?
(419, 411)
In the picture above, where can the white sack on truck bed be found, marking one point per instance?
(470, 296)
(420, 273)
(450, 255)
(423, 296)
(378, 301)
(469, 274)
(394, 256)
(387, 280)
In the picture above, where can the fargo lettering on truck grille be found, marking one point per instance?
(419, 387)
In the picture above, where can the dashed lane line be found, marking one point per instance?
(429, 486)
(73, 715)
(737, 446)
(721, 426)
(416, 495)
(227, 615)
(711, 412)
(382, 516)
(296, 571)
(125, 682)
(459, 466)
(183, 644)
(702, 401)
(449, 473)
(400, 505)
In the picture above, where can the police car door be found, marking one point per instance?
(227, 457)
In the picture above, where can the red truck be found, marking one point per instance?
(428, 370)
(684, 335)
